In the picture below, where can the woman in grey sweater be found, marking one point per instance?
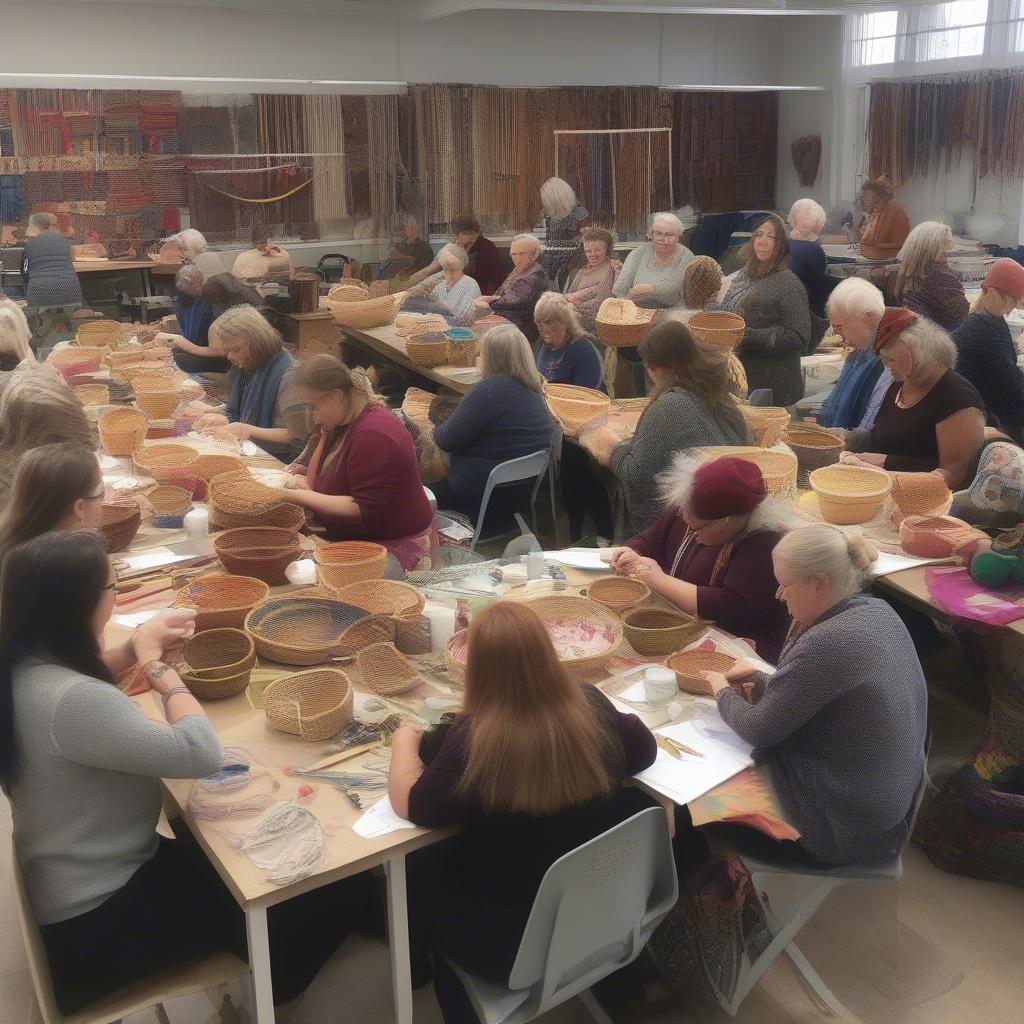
(47, 267)
(652, 275)
(842, 721)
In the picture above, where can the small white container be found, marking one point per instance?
(197, 524)
(659, 684)
(535, 566)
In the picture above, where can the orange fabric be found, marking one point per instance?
(885, 232)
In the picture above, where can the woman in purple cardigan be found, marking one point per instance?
(520, 291)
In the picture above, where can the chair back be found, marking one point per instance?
(526, 467)
(35, 952)
(595, 910)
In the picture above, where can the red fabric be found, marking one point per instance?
(1006, 275)
(377, 468)
(894, 320)
(726, 487)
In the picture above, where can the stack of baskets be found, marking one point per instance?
(262, 552)
(119, 525)
(717, 327)
(237, 500)
(813, 447)
(621, 323)
(850, 494)
(767, 423)
(619, 593)
(652, 632)
(98, 332)
(573, 406)
(156, 395)
(427, 350)
(386, 671)
(221, 601)
(779, 469)
(918, 494)
(315, 705)
(688, 666)
(349, 561)
(461, 347)
(217, 663)
(170, 505)
(122, 431)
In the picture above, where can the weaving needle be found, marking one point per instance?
(682, 748)
(664, 744)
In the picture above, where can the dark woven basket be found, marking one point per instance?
(263, 552)
(218, 663)
(120, 525)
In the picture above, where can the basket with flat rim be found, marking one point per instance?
(918, 494)
(778, 469)
(93, 394)
(364, 314)
(766, 422)
(935, 536)
(262, 552)
(717, 327)
(848, 495)
(80, 358)
(122, 430)
(165, 463)
(98, 332)
(385, 597)
(657, 631)
(349, 561)
(688, 666)
(120, 524)
(221, 601)
(217, 663)
(206, 467)
(428, 349)
(573, 406)
(619, 593)
(386, 671)
(315, 705)
(621, 323)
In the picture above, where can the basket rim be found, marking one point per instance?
(884, 485)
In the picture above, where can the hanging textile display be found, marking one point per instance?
(325, 134)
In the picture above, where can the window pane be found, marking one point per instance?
(874, 38)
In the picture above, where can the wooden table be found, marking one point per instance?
(146, 268)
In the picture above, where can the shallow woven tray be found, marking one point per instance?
(848, 495)
(555, 609)
(315, 705)
(166, 463)
(935, 536)
(688, 666)
(349, 561)
(93, 394)
(778, 469)
(427, 349)
(365, 314)
(217, 663)
(767, 423)
(717, 327)
(262, 552)
(621, 323)
(120, 524)
(619, 593)
(222, 601)
(301, 630)
(122, 431)
(98, 332)
(385, 597)
(386, 671)
(657, 631)
(573, 406)
(918, 494)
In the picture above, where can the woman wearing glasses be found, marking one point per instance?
(652, 275)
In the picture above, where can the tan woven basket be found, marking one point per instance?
(935, 536)
(206, 467)
(169, 502)
(461, 351)
(456, 652)
(563, 610)
(165, 463)
(141, 334)
(221, 601)
(573, 406)
(619, 593)
(766, 422)
(120, 524)
(93, 394)
(135, 356)
(657, 631)
(349, 561)
(217, 663)
(427, 350)
(918, 494)
(718, 328)
(850, 494)
(779, 469)
(688, 666)
(386, 671)
(263, 553)
(128, 373)
(409, 324)
(349, 290)
(304, 630)
(240, 492)
(77, 358)
(98, 332)
(157, 397)
(285, 516)
(364, 315)
(813, 447)
(385, 597)
(621, 323)
(315, 705)
(122, 431)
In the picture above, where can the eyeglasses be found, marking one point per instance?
(664, 234)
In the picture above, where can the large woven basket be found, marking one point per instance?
(717, 327)
(813, 447)
(93, 394)
(386, 671)
(349, 561)
(165, 463)
(621, 323)
(236, 500)
(766, 422)
(850, 494)
(157, 397)
(349, 290)
(119, 525)
(619, 593)
(206, 467)
(98, 332)
(122, 431)
(385, 597)
(218, 663)
(409, 324)
(563, 613)
(286, 516)
(364, 315)
(263, 552)
(779, 469)
(918, 494)
(427, 350)
(315, 705)
(301, 630)
(935, 536)
(657, 631)
(573, 406)
(222, 601)
(70, 360)
(688, 666)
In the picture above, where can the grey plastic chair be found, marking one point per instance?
(595, 910)
(527, 467)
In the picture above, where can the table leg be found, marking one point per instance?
(398, 932)
(259, 964)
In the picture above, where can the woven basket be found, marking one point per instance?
(98, 332)
(206, 467)
(573, 406)
(166, 463)
(766, 422)
(122, 431)
(409, 324)
(93, 394)
(301, 630)
(934, 536)
(141, 334)
(263, 553)
(157, 397)
(373, 629)
(386, 671)
(135, 356)
(240, 492)
(119, 525)
(385, 597)
(918, 494)
(657, 631)
(130, 372)
(286, 516)
(456, 652)
(427, 349)
(688, 666)
(349, 561)
(170, 505)
(461, 351)
(218, 663)
(349, 290)
(850, 494)
(719, 328)
(159, 430)
(621, 323)
(779, 469)
(315, 705)
(362, 316)
(74, 359)
(814, 449)
(221, 601)
(619, 593)
(563, 610)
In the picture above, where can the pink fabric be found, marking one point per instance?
(956, 593)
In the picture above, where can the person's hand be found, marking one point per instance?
(742, 669)
(851, 459)
(623, 560)
(616, 265)
(717, 682)
(484, 302)
(643, 567)
(164, 635)
(638, 291)
(171, 340)
(600, 443)
(407, 738)
(243, 431)
(211, 420)
(298, 482)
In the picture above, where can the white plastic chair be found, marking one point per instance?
(595, 910)
(526, 467)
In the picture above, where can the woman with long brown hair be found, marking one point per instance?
(531, 769)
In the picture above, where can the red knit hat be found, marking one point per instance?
(894, 320)
(726, 487)
(1008, 276)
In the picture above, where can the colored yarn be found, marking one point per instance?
(288, 843)
(210, 799)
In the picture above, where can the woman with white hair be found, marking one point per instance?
(520, 291)
(193, 248)
(652, 275)
(931, 419)
(806, 256)
(458, 292)
(15, 336)
(924, 283)
(842, 722)
(503, 417)
(47, 266)
(710, 553)
(563, 220)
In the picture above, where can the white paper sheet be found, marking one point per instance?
(887, 563)
(379, 820)
(136, 619)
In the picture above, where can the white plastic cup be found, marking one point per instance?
(659, 684)
(197, 524)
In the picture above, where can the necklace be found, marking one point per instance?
(909, 403)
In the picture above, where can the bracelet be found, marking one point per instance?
(173, 690)
(155, 669)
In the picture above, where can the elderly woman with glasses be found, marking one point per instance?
(457, 292)
(652, 275)
(520, 291)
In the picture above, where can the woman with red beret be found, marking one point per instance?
(710, 553)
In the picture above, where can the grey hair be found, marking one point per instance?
(533, 239)
(15, 335)
(929, 345)
(189, 274)
(557, 198)
(808, 209)
(925, 244)
(455, 252)
(192, 241)
(843, 558)
(667, 217)
(553, 306)
(42, 221)
(856, 296)
(505, 351)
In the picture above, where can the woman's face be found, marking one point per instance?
(712, 532)
(453, 267)
(410, 231)
(553, 333)
(665, 237)
(328, 409)
(523, 254)
(105, 607)
(872, 200)
(764, 241)
(88, 510)
(466, 239)
(595, 251)
(898, 360)
(236, 351)
(805, 599)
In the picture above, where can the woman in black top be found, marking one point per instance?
(46, 266)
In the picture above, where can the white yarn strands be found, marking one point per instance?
(288, 843)
(241, 787)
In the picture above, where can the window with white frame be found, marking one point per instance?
(948, 30)
(1015, 28)
(874, 38)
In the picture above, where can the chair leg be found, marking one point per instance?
(161, 1014)
(594, 1008)
(815, 983)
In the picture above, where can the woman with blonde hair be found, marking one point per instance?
(563, 219)
(15, 337)
(565, 354)
(519, 292)
(503, 417)
(924, 283)
(532, 768)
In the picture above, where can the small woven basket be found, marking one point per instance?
(456, 653)
(779, 469)
(206, 467)
(301, 630)
(657, 631)
(170, 505)
(364, 315)
(386, 671)
(619, 593)
(130, 372)
(166, 463)
(918, 494)
(217, 663)
(263, 553)
(813, 447)
(70, 360)
(935, 536)
(349, 561)
(850, 494)
(120, 524)
(349, 290)
(718, 328)
(222, 601)
(122, 431)
(621, 323)
(315, 705)
(688, 666)
(461, 347)
(157, 397)
(427, 350)
(385, 597)
(98, 332)
(573, 406)
(766, 422)
(93, 394)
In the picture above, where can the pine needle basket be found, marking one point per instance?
(170, 505)
(618, 593)
(657, 631)
(157, 397)
(98, 332)
(688, 666)
(206, 467)
(461, 347)
(427, 350)
(120, 524)
(315, 705)
(559, 610)
(918, 494)
(70, 360)
(366, 314)
(935, 536)
(386, 671)
(236, 500)
(766, 422)
(778, 469)
(573, 406)
(165, 463)
(349, 290)
(813, 447)
(286, 516)
(409, 324)
(349, 561)
(456, 653)
(222, 601)
(130, 372)
(850, 494)
(301, 630)
(385, 597)
(218, 663)
(621, 323)
(261, 552)
(718, 328)
(122, 431)
(93, 394)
